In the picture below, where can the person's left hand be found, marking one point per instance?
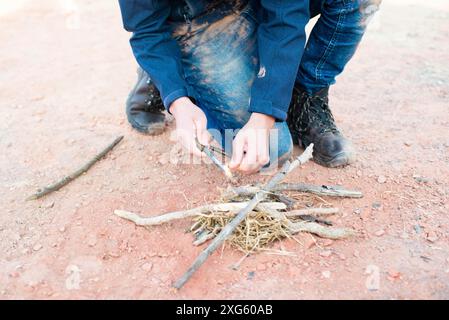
(250, 148)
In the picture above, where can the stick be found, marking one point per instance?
(206, 236)
(323, 190)
(66, 180)
(231, 226)
(289, 202)
(312, 211)
(220, 207)
(208, 151)
(319, 230)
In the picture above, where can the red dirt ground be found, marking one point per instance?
(63, 86)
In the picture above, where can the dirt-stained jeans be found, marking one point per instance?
(220, 60)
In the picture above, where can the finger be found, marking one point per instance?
(201, 131)
(249, 162)
(237, 151)
(263, 153)
(188, 142)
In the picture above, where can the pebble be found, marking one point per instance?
(356, 253)
(92, 242)
(381, 179)
(359, 173)
(376, 205)
(261, 267)
(37, 247)
(62, 229)
(326, 253)
(380, 232)
(342, 256)
(49, 205)
(327, 242)
(394, 275)
(326, 274)
(148, 266)
(431, 237)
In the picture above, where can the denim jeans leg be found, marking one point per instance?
(333, 41)
(220, 62)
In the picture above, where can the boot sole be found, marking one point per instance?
(340, 160)
(154, 130)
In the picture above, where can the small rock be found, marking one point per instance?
(342, 256)
(357, 211)
(407, 143)
(381, 179)
(49, 205)
(356, 253)
(326, 253)
(359, 173)
(379, 233)
(37, 247)
(251, 275)
(62, 229)
(394, 275)
(310, 178)
(420, 179)
(261, 267)
(432, 237)
(326, 274)
(148, 266)
(92, 242)
(327, 242)
(417, 228)
(376, 205)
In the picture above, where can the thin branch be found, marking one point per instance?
(323, 190)
(219, 207)
(312, 211)
(231, 226)
(66, 180)
(206, 236)
(321, 231)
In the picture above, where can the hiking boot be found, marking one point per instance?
(310, 121)
(144, 107)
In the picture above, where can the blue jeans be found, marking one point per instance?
(220, 61)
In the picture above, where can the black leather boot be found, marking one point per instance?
(144, 107)
(310, 121)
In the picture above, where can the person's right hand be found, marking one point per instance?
(191, 122)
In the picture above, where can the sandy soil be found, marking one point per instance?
(64, 78)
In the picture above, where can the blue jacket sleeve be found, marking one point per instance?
(153, 46)
(281, 39)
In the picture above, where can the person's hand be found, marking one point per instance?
(250, 148)
(191, 122)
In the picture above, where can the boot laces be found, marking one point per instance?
(316, 113)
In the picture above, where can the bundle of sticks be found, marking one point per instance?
(253, 216)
